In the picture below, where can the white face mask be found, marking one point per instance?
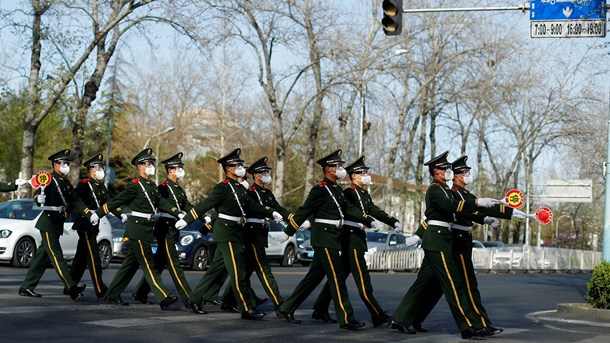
(340, 173)
(240, 171)
(448, 175)
(245, 184)
(365, 179)
(266, 179)
(468, 179)
(64, 169)
(99, 175)
(180, 173)
(150, 170)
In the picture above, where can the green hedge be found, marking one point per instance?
(598, 289)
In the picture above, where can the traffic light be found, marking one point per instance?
(392, 17)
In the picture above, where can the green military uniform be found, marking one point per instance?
(353, 247)
(60, 200)
(329, 207)
(8, 187)
(142, 197)
(256, 230)
(231, 201)
(173, 202)
(462, 252)
(438, 259)
(93, 193)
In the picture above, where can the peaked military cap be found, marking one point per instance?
(333, 157)
(232, 157)
(356, 166)
(459, 165)
(143, 156)
(259, 166)
(62, 155)
(97, 159)
(439, 161)
(174, 160)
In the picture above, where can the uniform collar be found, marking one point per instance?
(258, 187)
(356, 187)
(327, 180)
(171, 182)
(57, 175)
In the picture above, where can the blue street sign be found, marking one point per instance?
(567, 9)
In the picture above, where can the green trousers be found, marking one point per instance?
(48, 252)
(326, 263)
(166, 256)
(87, 255)
(228, 259)
(437, 265)
(139, 256)
(354, 263)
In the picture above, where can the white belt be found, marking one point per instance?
(231, 218)
(461, 227)
(54, 208)
(439, 223)
(351, 223)
(337, 223)
(257, 220)
(148, 216)
(166, 215)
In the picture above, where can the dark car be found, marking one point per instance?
(196, 251)
(488, 244)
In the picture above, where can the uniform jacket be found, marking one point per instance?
(85, 193)
(134, 197)
(223, 200)
(356, 238)
(7, 187)
(53, 221)
(255, 233)
(320, 205)
(170, 203)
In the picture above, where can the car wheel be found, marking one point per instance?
(24, 252)
(105, 253)
(289, 256)
(201, 258)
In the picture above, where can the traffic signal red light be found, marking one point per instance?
(392, 17)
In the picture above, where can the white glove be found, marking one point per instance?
(412, 240)
(518, 214)
(94, 219)
(278, 217)
(375, 226)
(283, 237)
(397, 227)
(491, 221)
(488, 202)
(20, 182)
(124, 217)
(306, 225)
(42, 198)
(181, 224)
(181, 215)
(207, 219)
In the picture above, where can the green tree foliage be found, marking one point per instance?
(598, 289)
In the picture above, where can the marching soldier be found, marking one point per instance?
(142, 197)
(57, 202)
(462, 248)
(173, 206)
(233, 205)
(353, 247)
(330, 209)
(256, 231)
(93, 193)
(438, 260)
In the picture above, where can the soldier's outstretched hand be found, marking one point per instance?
(20, 182)
(491, 221)
(488, 202)
(94, 219)
(375, 226)
(278, 217)
(398, 227)
(518, 214)
(306, 225)
(181, 224)
(412, 240)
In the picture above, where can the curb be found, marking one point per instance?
(583, 311)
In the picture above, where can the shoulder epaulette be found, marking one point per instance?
(438, 184)
(352, 187)
(322, 184)
(455, 189)
(136, 180)
(226, 181)
(165, 183)
(85, 180)
(252, 188)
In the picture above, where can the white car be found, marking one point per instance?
(286, 252)
(19, 237)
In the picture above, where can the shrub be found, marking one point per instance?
(598, 289)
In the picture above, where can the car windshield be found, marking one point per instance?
(24, 210)
(378, 237)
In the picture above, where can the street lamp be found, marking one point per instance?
(557, 225)
(399, 52)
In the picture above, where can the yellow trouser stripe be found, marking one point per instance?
(332, 268)
(194, 214)
(92, 265)
(152, 277)
(474, 305)
(173, 269)
(260, 267)
(237, 278)
(57, 265)
(457, 299)
(366, 297)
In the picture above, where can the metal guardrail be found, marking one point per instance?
(498, 259)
